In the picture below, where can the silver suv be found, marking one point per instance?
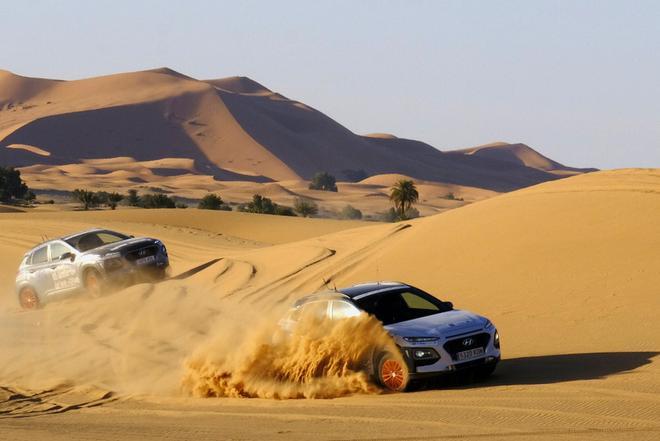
(432, 336)
(91, 261)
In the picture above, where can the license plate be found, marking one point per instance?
(146, 260)
(472, 353)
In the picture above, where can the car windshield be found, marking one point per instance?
(401, 305)
(95, 239)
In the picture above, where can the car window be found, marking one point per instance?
(57, 250)
(95, 239)
(418, 302)
(40, 256)
(89, 242)
(316, 310)
(399, 306)
(342, 310)
(108, 237)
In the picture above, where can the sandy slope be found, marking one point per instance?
(568, 271)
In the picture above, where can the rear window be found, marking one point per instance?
(40, 255)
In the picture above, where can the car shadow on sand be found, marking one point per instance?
(547, 369)
(193, 271)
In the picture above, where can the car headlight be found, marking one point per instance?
(496, 340)
(424, 354)
(420, 339)
(111, 256)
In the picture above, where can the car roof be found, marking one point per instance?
(322, 295)
(91, 230)
(371, 287)
(352, 292)
(64, 238)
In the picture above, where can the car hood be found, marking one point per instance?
(443, 324)
(133, 243)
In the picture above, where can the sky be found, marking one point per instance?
(577, 80)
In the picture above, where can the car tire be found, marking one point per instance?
(93, 283)
(28, 299)
(392, 372)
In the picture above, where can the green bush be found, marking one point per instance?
(323, 181)
(158, 200)
(260, 205)
(211, 202)
(305, 207)
(393, 215)
(281, 210)
(263, 205)
(350, 212)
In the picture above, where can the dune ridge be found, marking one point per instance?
(234, 129)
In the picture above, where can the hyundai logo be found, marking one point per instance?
(467, 341)
(142, 253)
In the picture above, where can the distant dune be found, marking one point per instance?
(231, 129)
(520, 154)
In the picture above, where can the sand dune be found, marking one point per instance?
(178, 177)
(567, 270)
(520, 154)
(233, 129)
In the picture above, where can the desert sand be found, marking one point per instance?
(568, 270)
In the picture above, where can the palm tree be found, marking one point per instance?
(403, 194)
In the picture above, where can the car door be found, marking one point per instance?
(64, 270)
(40, 273)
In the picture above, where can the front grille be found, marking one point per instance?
(140, 253)
(455, 346)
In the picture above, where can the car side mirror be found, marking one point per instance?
(69, 256)
(131, 236)
(449, 305)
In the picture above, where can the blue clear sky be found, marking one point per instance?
(578, 80)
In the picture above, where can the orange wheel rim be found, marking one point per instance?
(29, 299)
(393, 375)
